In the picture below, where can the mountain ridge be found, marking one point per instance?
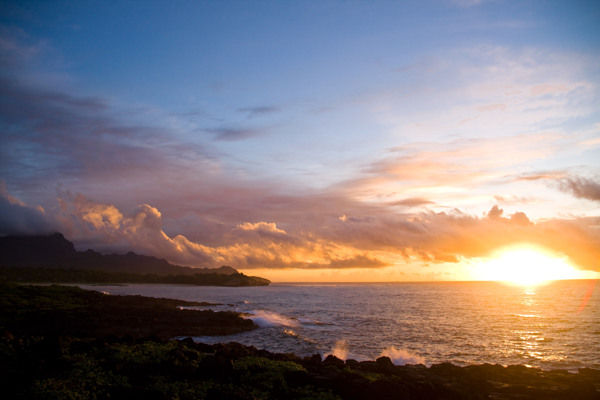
(55, 251)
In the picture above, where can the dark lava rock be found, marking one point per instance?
(385, 365)
(352, 364)
(369, 366)
(333, 361)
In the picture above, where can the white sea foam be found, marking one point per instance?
(402, 357)
(264, 318)
(340, 349)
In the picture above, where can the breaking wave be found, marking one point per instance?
(340, 349)
(265, 319)
(402, 357)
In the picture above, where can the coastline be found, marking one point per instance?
(72, 311)
(113, 367)
(66, 341)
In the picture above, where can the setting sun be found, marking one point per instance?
(526, 265)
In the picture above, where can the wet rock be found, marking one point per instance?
(237, 350)
(333, 361)
(315, 359)
(188, 341)
(352, 364)
(369, 366)
(385, 365)
(286, 357)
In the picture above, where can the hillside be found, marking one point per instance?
(52, 258)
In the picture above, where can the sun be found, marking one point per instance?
(526, 265)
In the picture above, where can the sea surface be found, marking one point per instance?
(554, 326)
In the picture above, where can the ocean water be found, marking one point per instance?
(554, 326)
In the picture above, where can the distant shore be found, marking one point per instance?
(70, 275)
(66, 342)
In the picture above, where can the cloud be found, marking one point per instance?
(258, 111)
(266, 227)
(453, 236)
(550, 175)
(369, 241)
(234, 134)
(195, 208)
(55, 134)
(250, 245)
(53, 137)
(582, 188)
(104, 227)
(512, 199)
(412, 202)
(364, 237)
(83, 143)
(17, 218)
(487, 90)
(538, 90)
(423, 169)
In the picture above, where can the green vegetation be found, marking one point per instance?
(71, 368)
(64, 275)
(53, 367)
(67, 310)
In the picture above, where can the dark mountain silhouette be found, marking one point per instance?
(54, 251)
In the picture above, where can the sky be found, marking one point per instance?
(305, 140)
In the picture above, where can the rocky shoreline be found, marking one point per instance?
(71, 311)
(112, 367)
(65, 342)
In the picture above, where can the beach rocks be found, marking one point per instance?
(333, 361)
(155, 368)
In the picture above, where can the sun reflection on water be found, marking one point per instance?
(528, 340)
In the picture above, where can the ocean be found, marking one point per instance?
(553, 326)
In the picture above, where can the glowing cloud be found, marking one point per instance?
(378, 241)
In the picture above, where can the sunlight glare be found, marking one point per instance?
(526, 266)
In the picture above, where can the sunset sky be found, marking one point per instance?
(305, 140)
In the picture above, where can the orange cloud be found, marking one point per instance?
(372, 241)
(270, 227)
(364, 237)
